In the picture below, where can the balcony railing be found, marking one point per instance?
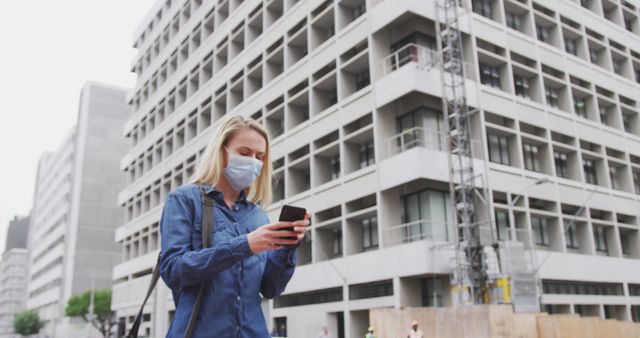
(421, 56)
(410, 53)
(417, 231)
(411, 138)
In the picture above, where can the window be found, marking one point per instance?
(359, 10)
(540, 229)
(551, 94)
(335, 167)
(419, 126)
(636, 181)
(362, 79)
(502, 225)
(624, 243)
(490, 75)
(426, 212)
(521, 86)
(542, 33)
(580, 106)
(593, 56)
(570, 46)
(369, 233)
(560, 160)
(337, 242)
(571, 236)
(613, 173)
(366, 154)
(600, 237)
(499, 149)
(513, 21)
(531, 157)
(483, 7)
(589, 168)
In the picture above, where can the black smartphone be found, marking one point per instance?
(289, 213)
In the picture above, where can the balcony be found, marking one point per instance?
(415, 68)
(417, 231)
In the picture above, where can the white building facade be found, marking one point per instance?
(74, 210)
(350, 93)
(13, 278)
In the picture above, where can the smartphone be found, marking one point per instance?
(289, 213)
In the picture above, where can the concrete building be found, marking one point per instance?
(74, 210)
(350, 92)
(13, 274)
(17, 233)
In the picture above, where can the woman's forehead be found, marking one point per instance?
(248, 138)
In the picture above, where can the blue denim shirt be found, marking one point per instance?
(233, 275)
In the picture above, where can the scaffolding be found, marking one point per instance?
(469, 279)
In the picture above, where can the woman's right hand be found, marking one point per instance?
(270, 237)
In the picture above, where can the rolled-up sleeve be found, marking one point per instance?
(279, 268)
(180, 265)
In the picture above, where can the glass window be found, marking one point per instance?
(570, 46)
(502, 225)
(540, 230)
(362, 79)
(499, 149)
(427, 211)
(542, 33)
(490, 75)
(551, 95)
(580, 106)
(571, 236)
(589, 168)
(513, 21)
(337, 242)
(560, 160)
(358, 10)
(636, 181)
(366, 154)
(521, 86)
(335, 167)
(483, 7)
(370, 233)
(531, 161)
(624, 242)
(600, 237)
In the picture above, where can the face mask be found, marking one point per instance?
(242, 171)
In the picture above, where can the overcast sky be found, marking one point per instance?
(49, 49)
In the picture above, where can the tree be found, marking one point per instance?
(27, 323)
(103, 318)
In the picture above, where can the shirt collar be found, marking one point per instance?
(218, 195)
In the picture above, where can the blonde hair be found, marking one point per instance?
(211, 164)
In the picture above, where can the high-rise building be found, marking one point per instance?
(75, 210)
(17, 233)
(13, 274)
(350, 92)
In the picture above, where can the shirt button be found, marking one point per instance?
(238, 298)
(240, 268)
(237, 327)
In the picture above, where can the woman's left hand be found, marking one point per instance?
(300, 230)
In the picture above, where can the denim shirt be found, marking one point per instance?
(233, 275)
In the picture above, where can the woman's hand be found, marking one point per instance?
(270, 237)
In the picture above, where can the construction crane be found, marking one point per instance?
(485, 270)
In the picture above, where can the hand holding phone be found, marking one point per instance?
(289, 213)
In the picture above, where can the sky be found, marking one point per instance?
(49, 50)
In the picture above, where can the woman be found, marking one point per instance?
(248, 256)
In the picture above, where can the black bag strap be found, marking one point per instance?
(208, 221)
(207, 228)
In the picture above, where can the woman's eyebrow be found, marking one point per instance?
(251, 149)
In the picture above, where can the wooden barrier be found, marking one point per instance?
(495, 321)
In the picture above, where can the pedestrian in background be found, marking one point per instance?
(414, 332)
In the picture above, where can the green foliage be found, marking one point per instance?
(78, 306)
(27, 323)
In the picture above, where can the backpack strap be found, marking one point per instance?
(208, 205)
(155, 275)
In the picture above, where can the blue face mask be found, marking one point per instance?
(242, 171)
